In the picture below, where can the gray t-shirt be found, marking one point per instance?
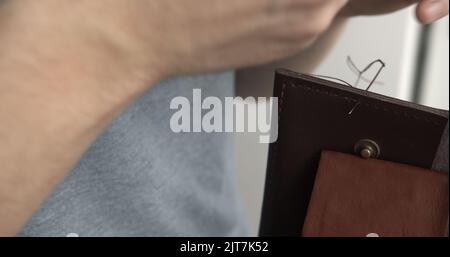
(141, 179)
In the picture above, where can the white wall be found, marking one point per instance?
(391, 38)
(436, 81)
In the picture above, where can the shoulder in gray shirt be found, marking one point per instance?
(140, 179)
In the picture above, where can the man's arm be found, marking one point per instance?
(51, 107)
(68, 67)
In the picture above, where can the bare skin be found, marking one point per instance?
(68, 67)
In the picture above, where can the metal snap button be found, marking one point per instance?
(367, 149)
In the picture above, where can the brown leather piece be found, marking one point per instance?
(354, 197)
(314, 116)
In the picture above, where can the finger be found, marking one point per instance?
(429, 11)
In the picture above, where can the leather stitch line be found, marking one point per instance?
(281, 99)
(372, 106)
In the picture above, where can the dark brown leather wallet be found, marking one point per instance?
(318, 117)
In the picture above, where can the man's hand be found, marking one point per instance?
(176, 36)
(428, 11)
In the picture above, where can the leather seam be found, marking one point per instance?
(350, 99)
(282, 100)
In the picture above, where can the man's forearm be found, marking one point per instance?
(68, 67)
(56, 95)
(258, 81)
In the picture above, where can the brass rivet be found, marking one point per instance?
(367, 149)
(366, 153)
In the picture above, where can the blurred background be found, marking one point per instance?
(417, 59)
